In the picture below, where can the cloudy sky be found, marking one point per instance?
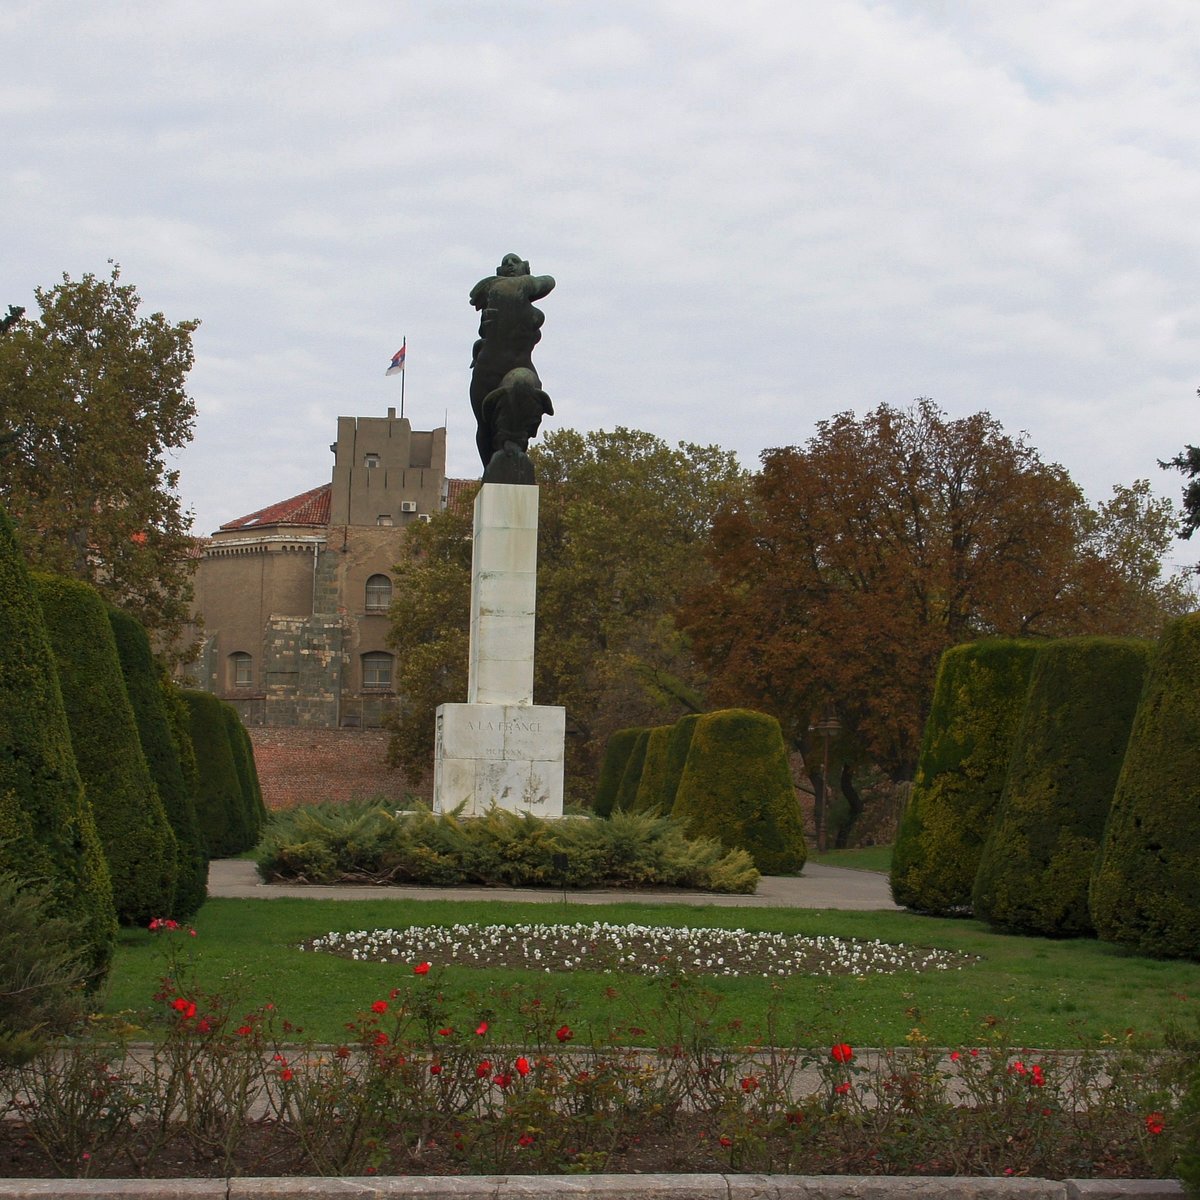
(759, 214)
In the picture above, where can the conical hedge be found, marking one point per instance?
(1038, 858)
(612, 767)
(220, 804)
(47, 830)
(137, 839)
(632, 775)
(737, 789)
(652, 786)
(144, 686)
(247, 772)
(977, 704)
(1145, 891)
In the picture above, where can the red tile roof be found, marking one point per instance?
(309, 508)
(460, 494)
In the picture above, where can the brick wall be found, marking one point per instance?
(309, 765)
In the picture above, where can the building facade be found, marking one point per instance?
(293, 600)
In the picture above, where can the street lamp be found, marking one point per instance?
(826, 729)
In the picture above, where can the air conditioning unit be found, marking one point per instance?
(408, 506)
(425, 517)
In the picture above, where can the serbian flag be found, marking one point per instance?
(397, 367)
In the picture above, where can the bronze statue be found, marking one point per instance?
(502, 369)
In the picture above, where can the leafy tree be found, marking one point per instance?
(864, 554)
(92, 401)
(622, 525)
(1188, 462)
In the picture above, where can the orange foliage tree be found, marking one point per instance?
(861, 556)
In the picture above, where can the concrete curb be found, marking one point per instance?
(598, 1187)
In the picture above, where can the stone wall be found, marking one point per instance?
(311, 765)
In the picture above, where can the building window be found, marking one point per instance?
(241, 670)
(379, 593)
(384, 519)
(377, 671)
(370, 460)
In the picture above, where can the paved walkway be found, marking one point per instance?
(818, 887)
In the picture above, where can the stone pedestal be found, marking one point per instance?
(500, 749)
(506, 755)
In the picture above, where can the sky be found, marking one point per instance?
(758, 214)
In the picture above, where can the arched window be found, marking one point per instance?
(379, 593)
(241, 670)
(377, 671)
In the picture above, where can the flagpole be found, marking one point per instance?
(403, 374)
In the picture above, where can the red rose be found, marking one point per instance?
(380, 1006)
(563, 1033)
(843, 1052)
(1154, 1123)
(481, 1028)
(421, 968)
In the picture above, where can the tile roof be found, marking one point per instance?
(460, 494)
(309, 508)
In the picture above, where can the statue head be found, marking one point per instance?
(513, 264)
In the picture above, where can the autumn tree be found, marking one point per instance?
(92, 402)
(623, 521)
(862, 555)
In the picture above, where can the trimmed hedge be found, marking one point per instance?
(1038, 858)
(977, 704)
(616, 756)
(352, 843)
(652, 786)
(632, 775)
(220, 803)
(47, 828)
(143, 682)
(737, 789)
(1145, 891)
(134, 832)
(678, 745)
(243, 761)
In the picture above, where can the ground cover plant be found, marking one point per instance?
(369, 842)
(514, 1079)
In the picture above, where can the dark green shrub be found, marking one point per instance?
(43, 969)
(134, 832)
(143, 682)
(47, 830)
(1038, 858)
(247, 773)
(632, 775)
(616, 756)
(678, 745)
(1145, 891)
(977, 703)
(342, 843)
(220, 806)
(652, 785)
(737, 789)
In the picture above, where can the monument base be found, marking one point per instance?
(506, 756)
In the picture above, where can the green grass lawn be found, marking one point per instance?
(1054, 994)
(864, 858)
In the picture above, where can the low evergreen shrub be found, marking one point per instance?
(370, 843)
(1037, 860)
(612, 768)
(43, 969)
(143, 682)
(977, 704)
(137, 839)
(1145, 890)
(47, 828)
(220, 801)
(737, 789)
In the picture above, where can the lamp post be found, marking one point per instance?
(826, 729)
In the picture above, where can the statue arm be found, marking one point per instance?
(539, 286)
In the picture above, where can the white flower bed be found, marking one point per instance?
(638, 949)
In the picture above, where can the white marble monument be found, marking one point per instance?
(499, 748)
